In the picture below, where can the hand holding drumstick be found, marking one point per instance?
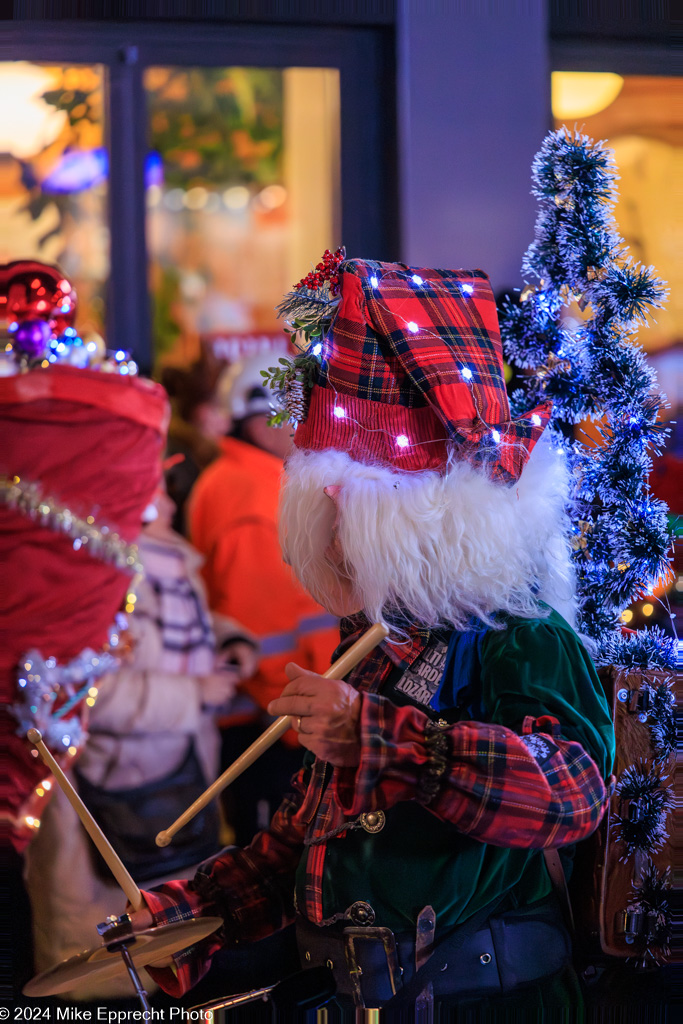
(344, 664)
(325, 714)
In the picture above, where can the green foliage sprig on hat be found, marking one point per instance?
(291, 381)
(308, 310)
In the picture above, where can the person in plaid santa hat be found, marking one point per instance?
(476, 736)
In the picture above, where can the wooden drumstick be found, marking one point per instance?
(114, 862)
(339, 669)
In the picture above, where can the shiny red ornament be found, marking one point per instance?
(30, 290)
(64, 310)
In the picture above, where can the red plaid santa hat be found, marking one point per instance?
(407, 446)
(412, 372)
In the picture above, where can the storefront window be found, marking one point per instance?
(640, 118)
(242, 198)
(53, 176)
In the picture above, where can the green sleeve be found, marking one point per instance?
(539, 667)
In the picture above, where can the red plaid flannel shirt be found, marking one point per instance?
(498, 787)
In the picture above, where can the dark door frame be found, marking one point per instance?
(620, 57)
(364, 57)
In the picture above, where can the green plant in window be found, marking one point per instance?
(217, 126)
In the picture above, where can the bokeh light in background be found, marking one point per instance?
(53, 176)
(577, 94)
(242, 197)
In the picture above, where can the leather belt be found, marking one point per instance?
(487, 956)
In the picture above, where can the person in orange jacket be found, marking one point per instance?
(233, 523)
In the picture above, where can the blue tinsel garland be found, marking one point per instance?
(622, 541)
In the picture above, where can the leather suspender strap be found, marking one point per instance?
(557, 876)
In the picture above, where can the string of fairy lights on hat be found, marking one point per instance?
(466, 373)
(402, 441)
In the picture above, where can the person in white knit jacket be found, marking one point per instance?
(151, 716)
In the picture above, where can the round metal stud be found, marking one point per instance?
(622, 695)
(485, 959)
(373, 821)
(361, 913)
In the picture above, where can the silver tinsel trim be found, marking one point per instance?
(99, 541)
(41, 680)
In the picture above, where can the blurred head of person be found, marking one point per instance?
(194, 398)
(249, 405)
(199, 420)
(157, 518)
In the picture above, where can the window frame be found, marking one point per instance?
(364, 57)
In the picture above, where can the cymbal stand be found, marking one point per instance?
(117, 934)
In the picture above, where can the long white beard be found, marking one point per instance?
(441, 548)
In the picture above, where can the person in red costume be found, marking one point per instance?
(79, 462)
(411, 849)
(88, 444)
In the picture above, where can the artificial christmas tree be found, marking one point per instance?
(591, 367)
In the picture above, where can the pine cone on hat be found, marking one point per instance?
(295, 399)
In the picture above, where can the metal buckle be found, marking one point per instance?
(636, 924)
(388, 940)
(637, 702)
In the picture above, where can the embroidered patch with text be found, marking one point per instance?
(540, 747)
(420, 682)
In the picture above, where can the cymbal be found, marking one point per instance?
(151, 945)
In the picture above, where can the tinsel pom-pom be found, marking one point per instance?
(645, 804)
(663, 721)
(646, 648)
(652, 898)
(630, 291)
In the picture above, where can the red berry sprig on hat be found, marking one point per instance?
(308, 310)
(325, 271)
